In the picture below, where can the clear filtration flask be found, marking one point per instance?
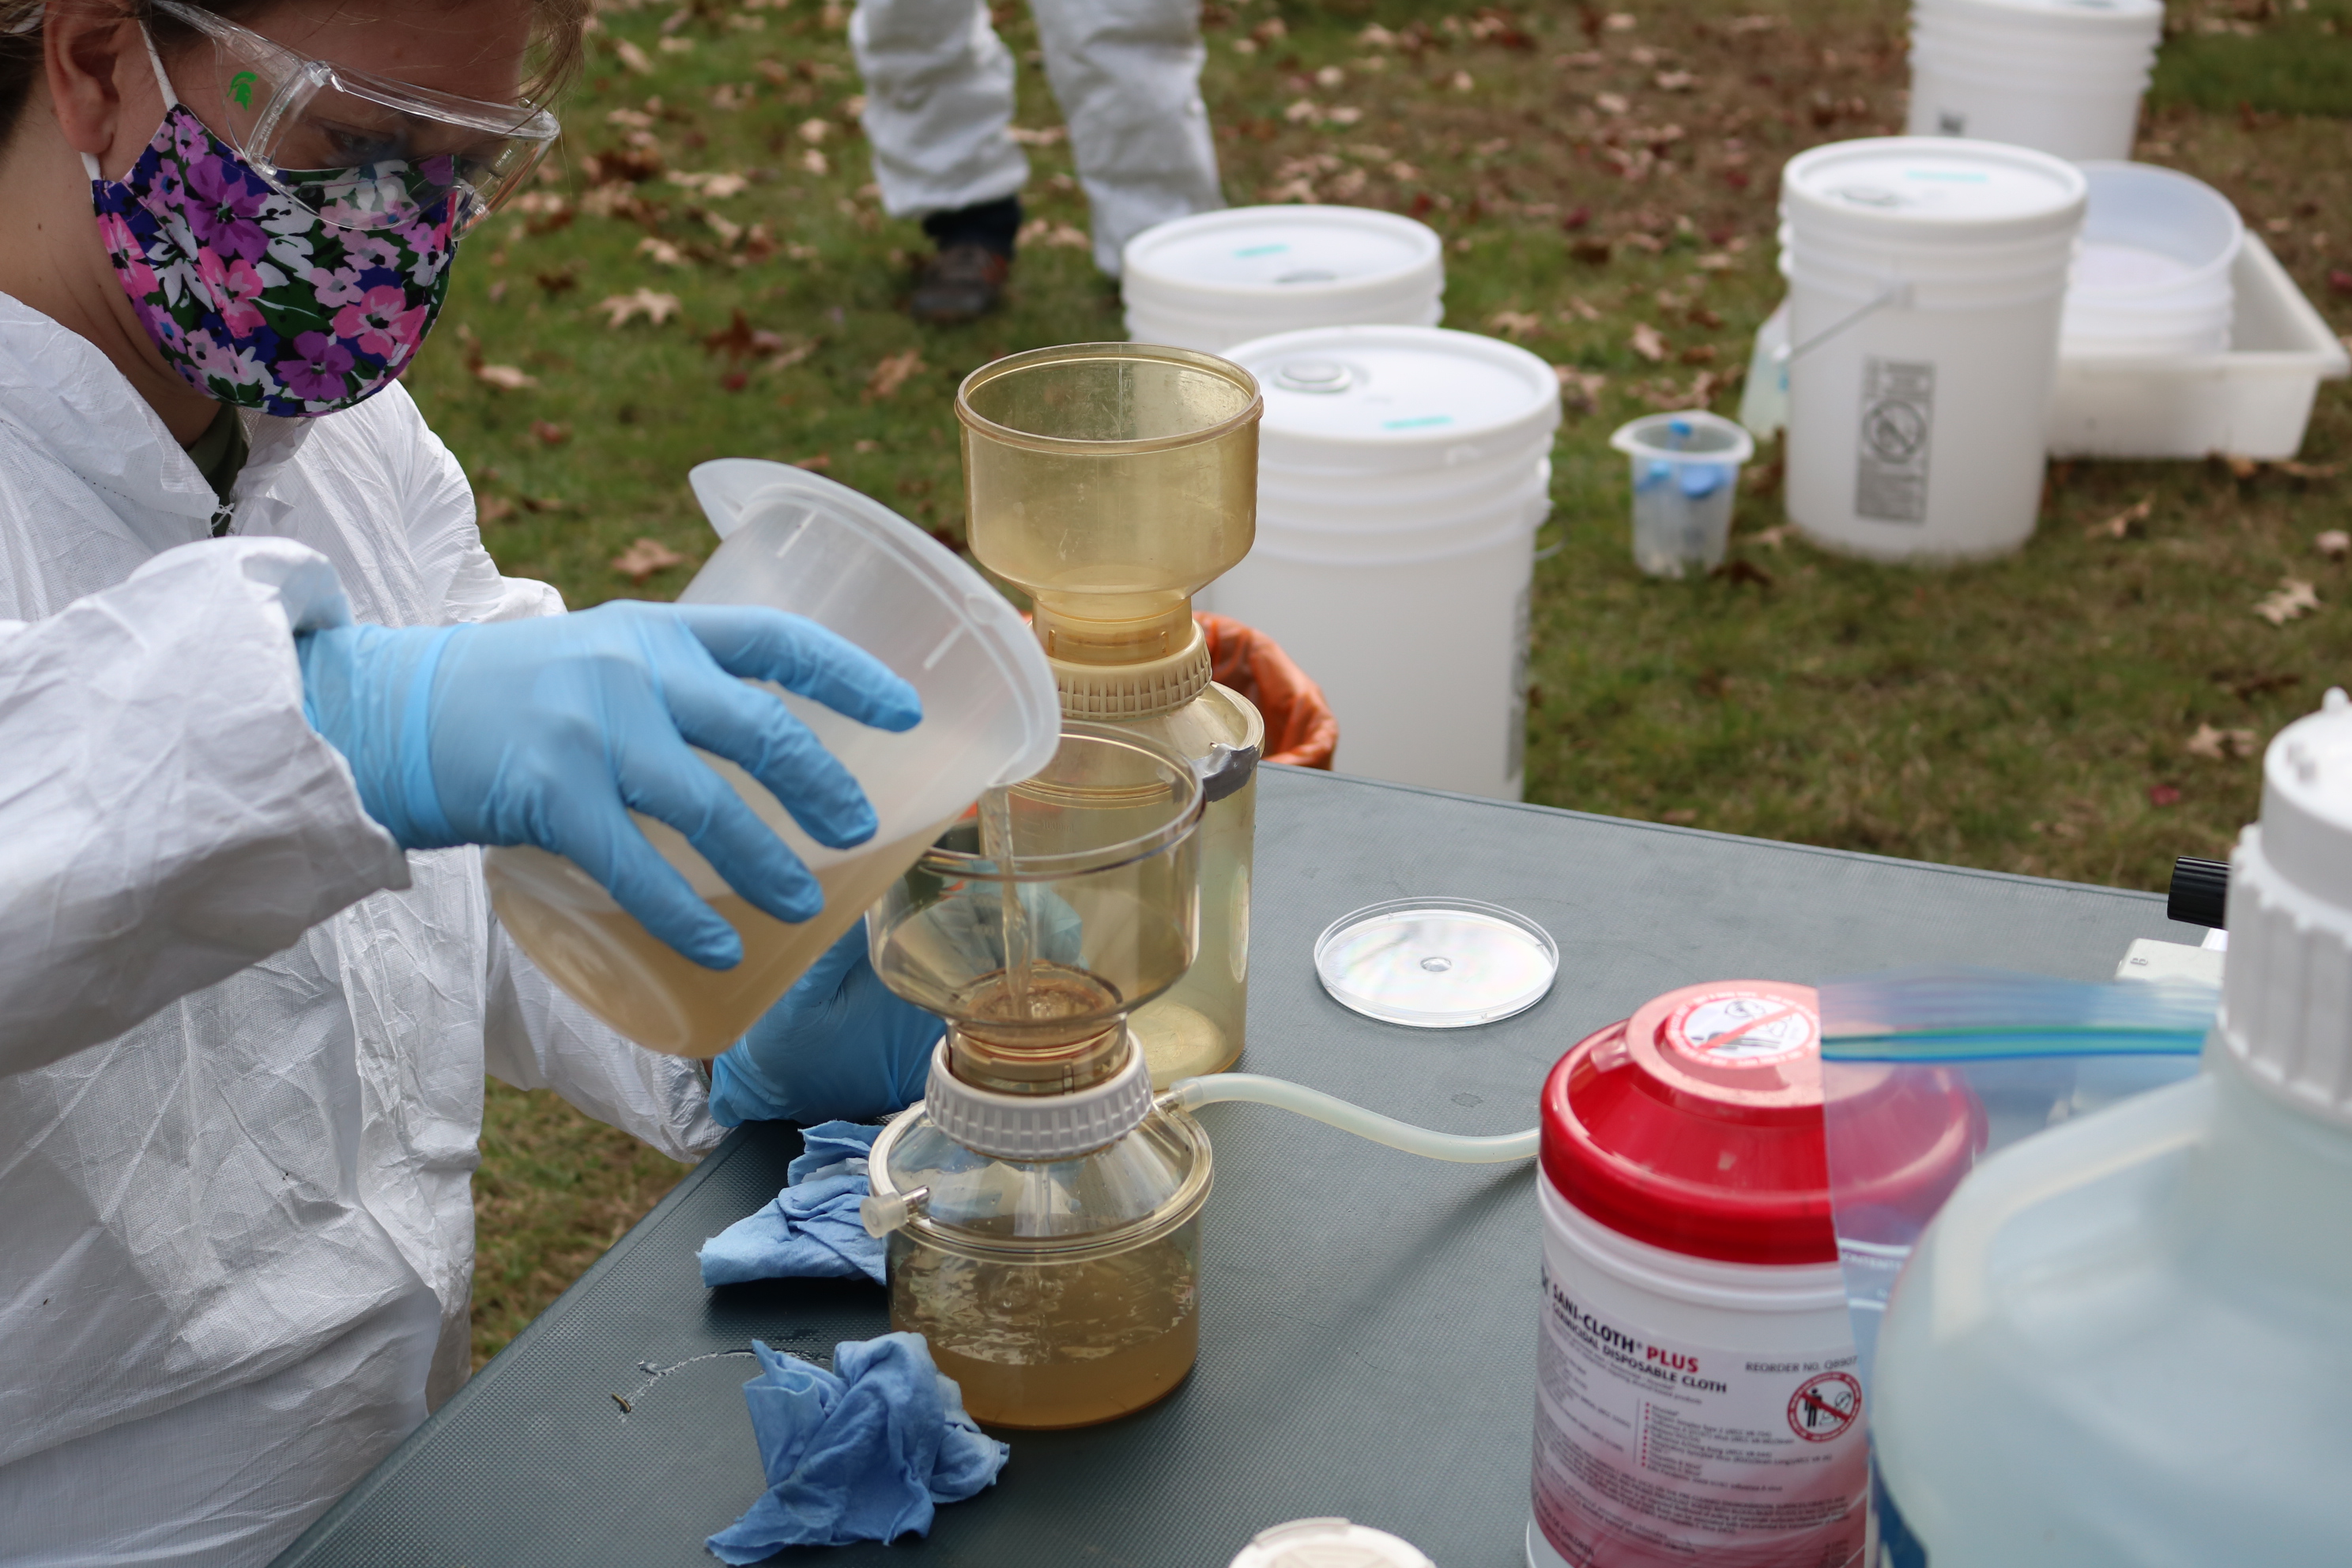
(1110, 482)
(1043, 1212)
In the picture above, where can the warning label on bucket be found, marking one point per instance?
(1653, 1452)
(1898, 416)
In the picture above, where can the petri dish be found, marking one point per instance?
(1436, 964)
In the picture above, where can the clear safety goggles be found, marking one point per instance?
(362, 151)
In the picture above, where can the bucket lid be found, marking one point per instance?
(1937, 189)
(1259, 257)
(1391, 398)
(1695, 1126)
(1328, 1543)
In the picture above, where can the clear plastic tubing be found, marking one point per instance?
(1258, 1089)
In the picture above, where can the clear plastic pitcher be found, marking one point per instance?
(803, 544)
(1685, 476)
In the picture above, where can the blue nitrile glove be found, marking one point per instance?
(862, 1453)
(812, 1231)
(838, 1044)
(550, 731)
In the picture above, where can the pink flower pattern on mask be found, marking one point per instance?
(335, 318)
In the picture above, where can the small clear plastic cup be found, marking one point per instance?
(1686, 474)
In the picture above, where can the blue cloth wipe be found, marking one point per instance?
(863, 1453)
(812, 1231)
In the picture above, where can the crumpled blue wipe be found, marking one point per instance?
(812, 1231)
(865, 1452)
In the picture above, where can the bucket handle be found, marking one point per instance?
(1895, 291)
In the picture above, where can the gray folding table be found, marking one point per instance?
(1368, 1319)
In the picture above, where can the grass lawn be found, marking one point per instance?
(707, 274)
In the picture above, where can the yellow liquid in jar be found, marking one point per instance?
(1056, 1344)
(652, 993)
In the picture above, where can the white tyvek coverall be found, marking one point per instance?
(938, 108)
(236, 1234)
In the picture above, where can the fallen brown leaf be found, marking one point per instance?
(2163, 794)
(893, 372)
(1580, 309)
(505, 377)
(815, 465)
(551, 435)
(2335, 544)
(620, 310)
(2295, 470)
(1776, 536)
(2292, 599)
(493, 509)
(1047, 232)
(1579, 390)
(1514, 324)
(2125, 522)
(661, 251)
(2217, 745)
(1743, 571)
(646, 557)
(1648, 343)
(636, 59)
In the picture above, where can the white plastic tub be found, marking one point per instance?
(2253, 400)
(1219, 279)
(1926, 281)
(1444, 517)
(2064, 77)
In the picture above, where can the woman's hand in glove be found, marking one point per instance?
(551, 731)
(839, 1044)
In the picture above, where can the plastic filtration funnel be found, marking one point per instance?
(1686, 474)
(815, 548)
(1112, 481)
(1109, 482)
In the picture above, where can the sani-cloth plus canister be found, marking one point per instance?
(1697, 1395)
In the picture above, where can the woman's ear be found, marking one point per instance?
(88, 55)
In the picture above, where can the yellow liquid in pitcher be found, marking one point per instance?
(664, 1001)
(1061, 1345)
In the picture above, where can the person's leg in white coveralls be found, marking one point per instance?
(938, 113)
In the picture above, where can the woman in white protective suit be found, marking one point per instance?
(260, 691)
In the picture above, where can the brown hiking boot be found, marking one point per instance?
(962, 283)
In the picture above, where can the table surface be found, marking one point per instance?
(1368, 1319)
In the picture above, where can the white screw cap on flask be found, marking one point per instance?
(2286, 999)
(1328, 1543)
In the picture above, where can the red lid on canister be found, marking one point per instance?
(1695, 1126)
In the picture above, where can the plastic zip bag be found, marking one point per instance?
(2011, 1053)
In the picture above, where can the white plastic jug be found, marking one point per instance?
(2125, 1341)
(807, 545)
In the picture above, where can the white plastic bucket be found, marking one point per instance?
(1216, 334)
(1245, 272)
(2153, 273)
(1421, 652)
(1402, 474)
(2063, 77)
(1453, 514)
(1926, 281)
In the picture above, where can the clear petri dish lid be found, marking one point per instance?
(1436, 964)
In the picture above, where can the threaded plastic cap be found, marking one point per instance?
(2287, 993)
(1039, 1127)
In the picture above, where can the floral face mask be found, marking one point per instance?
(255, 301)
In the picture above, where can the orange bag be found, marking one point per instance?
(1300, 729)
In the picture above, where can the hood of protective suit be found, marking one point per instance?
(239, 1232)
